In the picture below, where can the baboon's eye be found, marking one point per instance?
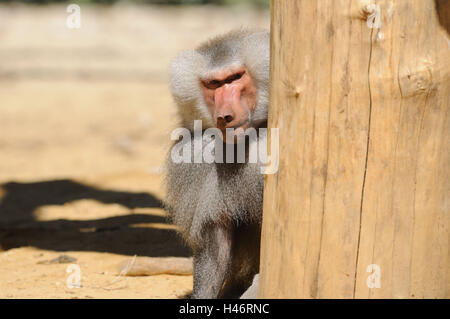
(213, 84)
(234, 77)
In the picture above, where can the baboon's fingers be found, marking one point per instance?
(148, 266)
(252, 291)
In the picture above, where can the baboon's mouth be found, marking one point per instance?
(239, 126)
(236, 132)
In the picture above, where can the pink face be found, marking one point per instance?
(230, 95)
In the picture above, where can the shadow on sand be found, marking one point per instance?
(121, 234)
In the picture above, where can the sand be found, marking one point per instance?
(85, 122)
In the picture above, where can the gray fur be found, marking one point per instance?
(218, 206)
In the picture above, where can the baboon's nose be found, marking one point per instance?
(228, 118)
(226, 100)
(223, 119)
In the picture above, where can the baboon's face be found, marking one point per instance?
(231, 97)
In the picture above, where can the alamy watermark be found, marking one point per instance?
(74, 279)
(73, 21)
(374, 279)
(374, 18)
(207, 146)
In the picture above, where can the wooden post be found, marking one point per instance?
(359, 207)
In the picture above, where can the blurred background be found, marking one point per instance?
(85, 122)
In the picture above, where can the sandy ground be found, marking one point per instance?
(85, 122)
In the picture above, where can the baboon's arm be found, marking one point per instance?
(212, 263)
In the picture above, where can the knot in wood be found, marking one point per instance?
(415, 82)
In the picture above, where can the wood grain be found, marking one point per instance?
(364, 151)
